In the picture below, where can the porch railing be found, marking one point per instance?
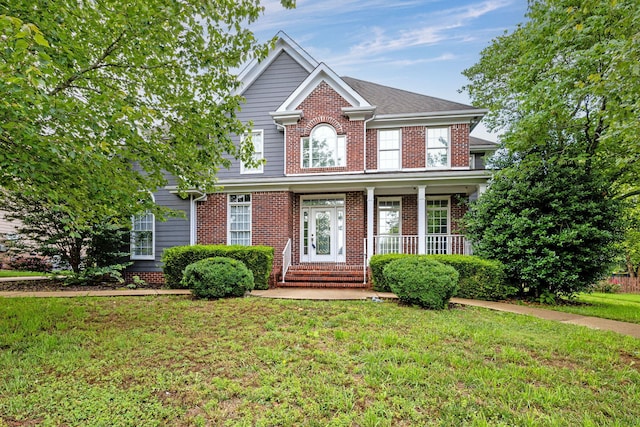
(434, 244)
(286, 259)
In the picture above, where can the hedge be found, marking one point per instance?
(423, 281)
(258, 259)
(479, 278)
(218, 277)
(377, 263)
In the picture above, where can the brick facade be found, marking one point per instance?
(272, 222)
(212, 220)
(460, 145)
(152, 277)
(414, 147)
(324, 105)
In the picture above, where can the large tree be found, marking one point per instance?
(567, 81)
(563, 89)
(101, 99)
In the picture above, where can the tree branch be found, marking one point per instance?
(97, 64)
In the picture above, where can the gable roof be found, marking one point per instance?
(284, 43)
(390, 100)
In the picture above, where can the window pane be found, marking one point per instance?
(240, 219)
(389, 159)
(142, 235)
(389, 140)
(437, 147)
(323, 148)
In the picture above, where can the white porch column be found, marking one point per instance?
(370, 214)
(481, 189)
(422, 220)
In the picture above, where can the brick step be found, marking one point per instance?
(338, 285)
(324, 276)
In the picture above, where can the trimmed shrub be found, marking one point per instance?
(377, 263)
(258, 259)
(479, 278)
(422, 281)
(217, 277)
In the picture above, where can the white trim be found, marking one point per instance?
(152, 256)
(399, 132)
(250, 204)
(260, 169)
(335, 229)
(370, 221)
(284, 43)
(422, 219)
(320, 74)
(390, 199)
(426, 148)
(448, 199)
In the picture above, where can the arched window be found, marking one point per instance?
(323, 148)
(143, 236)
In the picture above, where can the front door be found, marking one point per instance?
(323, 233)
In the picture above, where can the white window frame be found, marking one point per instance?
(132, 246)
(340, 142)
(426, 210)
(230, 204)
(257, 154)
(381, 150)
(384, 248)
(429, 148)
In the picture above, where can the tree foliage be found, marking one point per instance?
(89, 250)
(568, 78)
(103, 99)
(554, 227)
(631, 242)
(562, 87)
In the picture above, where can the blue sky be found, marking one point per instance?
(417, 45)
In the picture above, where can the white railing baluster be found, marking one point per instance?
(286, 259)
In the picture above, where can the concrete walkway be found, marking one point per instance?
(328, 294)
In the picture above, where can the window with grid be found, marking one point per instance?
(389, 214)
(437, 226)
(437, 216)
(240, 219)
(323, 148)
(142, 236)
(389, 149)
(258, 153)
(437, 147)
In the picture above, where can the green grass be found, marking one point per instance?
(14, 273)
(623, 307)
(257, 362)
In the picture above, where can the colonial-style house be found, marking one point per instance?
(352, 169)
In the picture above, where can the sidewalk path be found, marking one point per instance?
(630, 329)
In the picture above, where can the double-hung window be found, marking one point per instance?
(258, 153)
(389, 149)
(239, 219)
(143, 237)
(438, 147)
(437, 225)
(323, 148)
(389, 226)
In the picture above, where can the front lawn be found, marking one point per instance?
(258, 362)
(15, 273)
(623, 307)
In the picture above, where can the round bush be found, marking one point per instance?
(217, 277)
(422, 281)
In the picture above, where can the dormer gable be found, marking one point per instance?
(358, 109)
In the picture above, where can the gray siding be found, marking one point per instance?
(173, 232)
(265, 95)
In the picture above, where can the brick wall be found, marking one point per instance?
(460, 145)
(155, 277)
(414, 147)
(324, 105)
(272, 222)
(212, 220)
(459, 207)
(356, 224)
